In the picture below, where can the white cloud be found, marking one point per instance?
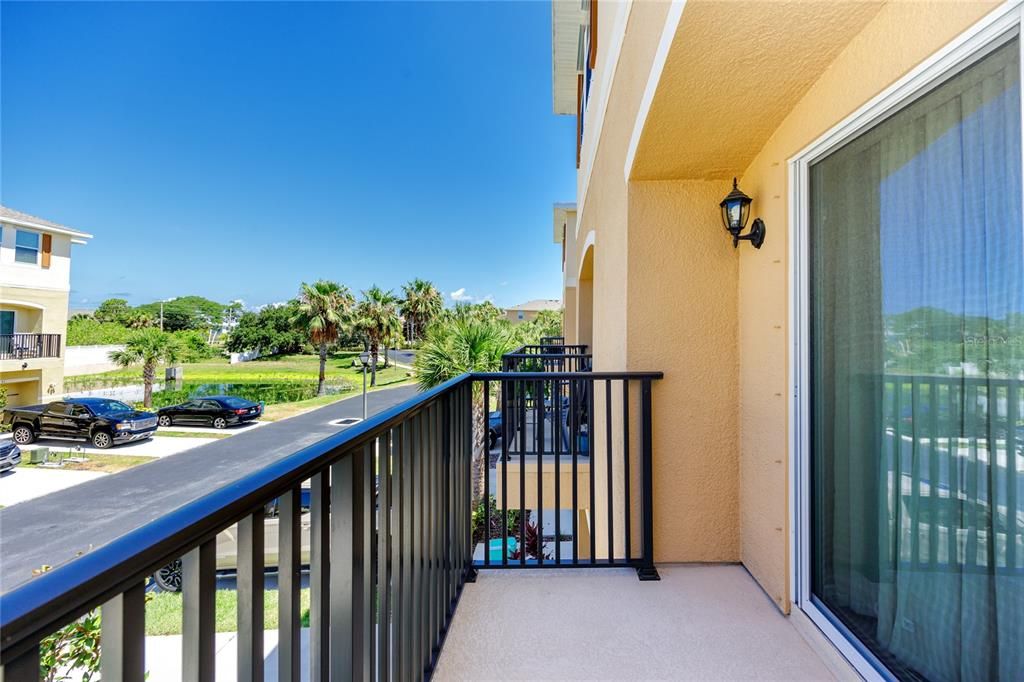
(460, 296)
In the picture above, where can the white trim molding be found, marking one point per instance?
(994, 30)
(668, 34)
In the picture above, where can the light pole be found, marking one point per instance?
(364, 358)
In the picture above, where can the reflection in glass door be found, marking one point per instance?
(916, 407)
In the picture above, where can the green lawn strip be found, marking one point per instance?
(110, 464)
(195, 434)
(273, 368)
(163, 611)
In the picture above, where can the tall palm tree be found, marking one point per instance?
(148, 347)
(322, 311)
(377, 319)
(465, 345)
(421, 304)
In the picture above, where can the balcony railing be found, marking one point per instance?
(29, 346)
(391, 537)
(548, 357)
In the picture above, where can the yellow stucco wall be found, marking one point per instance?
(670, 292)
(898, 38)
(43, 378)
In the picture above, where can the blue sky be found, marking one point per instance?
(233, 150)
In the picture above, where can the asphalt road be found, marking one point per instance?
(56, 528)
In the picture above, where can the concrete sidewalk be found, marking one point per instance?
(163, 656)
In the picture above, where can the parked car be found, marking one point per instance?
(218, 411)
(493, 428)
(102, 421)
(168, 578)
(10, 455)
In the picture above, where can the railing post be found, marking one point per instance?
(250, 597)
(24, 668)
(646, 570)
(122, 658)
(199, 582)
(319, 577)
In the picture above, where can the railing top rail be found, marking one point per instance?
(54, 598)
(565, 376)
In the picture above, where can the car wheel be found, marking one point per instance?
(102, 440)
(23, 435)
(168, 578)
(220, 423)
(163, 420)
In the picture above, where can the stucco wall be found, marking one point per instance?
(682, 320)
(669, 290)
(899, 37)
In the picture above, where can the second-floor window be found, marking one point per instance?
(26, 247)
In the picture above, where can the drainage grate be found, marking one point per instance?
(347, 421)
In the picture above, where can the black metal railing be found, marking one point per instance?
(391, 537)
(29, 346)
(953, 452)
(573, 479)
(548, 357)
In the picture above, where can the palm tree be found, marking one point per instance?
(465, 345)
(377, 319)
(148, 347)
(421, 305)
(322, 310)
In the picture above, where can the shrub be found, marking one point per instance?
(86, 331)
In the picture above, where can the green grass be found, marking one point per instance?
(278, 367)
(163, 611)
(110, 464)
(194, 434)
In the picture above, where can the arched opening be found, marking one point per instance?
(585, 299)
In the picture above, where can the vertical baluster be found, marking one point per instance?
(540, 418)
(122, 658)
(1013, 414)
(626, 480)
(348, 575)
(466, 570)
(319, 577)
(487, 477)
(574, 437)
(933, 474)
(522, 475)
(419, 453)
(366, 483)
(250, 597)
(647, 571)
(432, 580)
(397, 555)
(505, 431)
(556, 437)
(23, 668)
(591, 460)
(383, 563)
(407, 631)
(198, 587)
(288, 585)
(609, 464)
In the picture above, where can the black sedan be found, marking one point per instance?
(217, 411)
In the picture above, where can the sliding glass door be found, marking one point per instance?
(915, 362)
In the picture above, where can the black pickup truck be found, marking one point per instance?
(101, 421)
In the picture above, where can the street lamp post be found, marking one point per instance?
(364, 358)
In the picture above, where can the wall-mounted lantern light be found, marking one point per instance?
(735, 212)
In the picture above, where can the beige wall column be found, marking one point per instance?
(569, 316)
(682, 319)
(585, 301)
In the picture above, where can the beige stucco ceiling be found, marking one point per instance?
(733, 72)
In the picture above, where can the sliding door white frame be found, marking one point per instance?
(997, 28)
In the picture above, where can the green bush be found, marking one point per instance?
(192, 346)
(86, 331)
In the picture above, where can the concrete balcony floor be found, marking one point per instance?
(699, 622)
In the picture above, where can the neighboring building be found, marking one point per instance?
(881, 144)
(524, 312)
(35, 282)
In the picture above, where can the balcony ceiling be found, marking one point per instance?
(567, 19)
(733, 73)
